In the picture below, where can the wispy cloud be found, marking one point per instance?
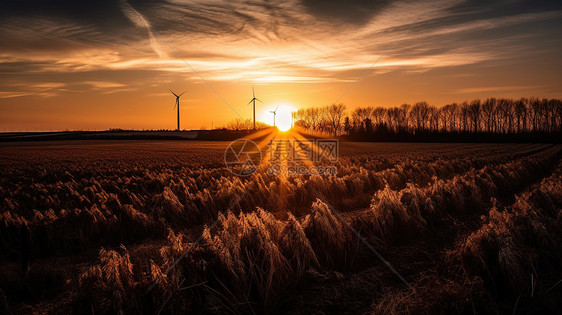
(102, 84)
(486, 89)
(140, 21)
(15, 94)
(8, 94)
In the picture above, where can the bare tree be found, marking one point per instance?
(558, 115)
(508, 109)
(359, 115)
(488, 111)
(521, 115)
(397, 118)
(453, 116)
(443, 117)
(464, 110)
(419, 115)
(378, 115)
(474, 111)
(433, 118)
(534, 112)
(335, 113)
(404, 109)
(551, 115)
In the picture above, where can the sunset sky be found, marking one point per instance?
(93, 65)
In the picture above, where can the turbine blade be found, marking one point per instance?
(276, 108)
(259, 100)
(250, 102)
(183, 92)
(253, 94)
(173, 93)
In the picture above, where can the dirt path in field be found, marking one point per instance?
(425, 262)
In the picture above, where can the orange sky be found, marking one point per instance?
(91, 69)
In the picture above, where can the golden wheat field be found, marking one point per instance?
(163, 227)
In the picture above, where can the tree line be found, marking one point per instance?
(244, 124)
(499, 116)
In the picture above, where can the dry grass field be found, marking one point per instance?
(104, 227)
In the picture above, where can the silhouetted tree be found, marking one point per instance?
(368, 125)
(378, 115)
(488, 112)
(474, 111)
(347, 125)
(521, 115)
(359, 115)
(335, 115)
(419, 114)
(464, 109)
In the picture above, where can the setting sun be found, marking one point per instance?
(283, 119)
(278, 115)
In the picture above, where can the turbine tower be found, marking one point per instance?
(177, 104)
(253, 100)
(274, 112)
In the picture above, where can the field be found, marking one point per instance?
(164, 227)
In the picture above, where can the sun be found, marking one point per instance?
(279, 115)
(283, 119)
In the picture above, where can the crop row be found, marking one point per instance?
(251, 259)
(518, 246)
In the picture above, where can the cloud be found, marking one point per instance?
(486, 89)
(356, 12)
(287, 41)
(140, 21)
(49, 85)
(14, 94)
(102, 85)
(11, 94)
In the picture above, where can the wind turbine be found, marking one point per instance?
(274, 112)
(253, 100)
(177, 104)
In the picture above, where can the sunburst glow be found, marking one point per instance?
(283, 119)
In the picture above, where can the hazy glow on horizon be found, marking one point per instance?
(87, 68)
